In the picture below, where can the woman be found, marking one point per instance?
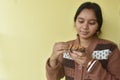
(88, 57)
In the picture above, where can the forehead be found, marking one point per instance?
(87, 14)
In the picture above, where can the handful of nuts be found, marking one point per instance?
(76, 48)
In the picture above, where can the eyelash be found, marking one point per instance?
(81, 21)
(91, 23)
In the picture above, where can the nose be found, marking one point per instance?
(85, 25)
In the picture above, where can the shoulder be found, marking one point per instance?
(104, 43)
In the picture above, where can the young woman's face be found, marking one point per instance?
(86, 24)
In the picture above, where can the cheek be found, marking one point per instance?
(77, 26)
(94, 30)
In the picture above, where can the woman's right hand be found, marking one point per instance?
(58, 49)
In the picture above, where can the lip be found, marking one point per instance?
(84, 32)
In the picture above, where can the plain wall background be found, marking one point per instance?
(29, 28)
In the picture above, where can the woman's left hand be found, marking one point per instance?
(80, 58)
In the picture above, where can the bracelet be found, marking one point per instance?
(91, 64)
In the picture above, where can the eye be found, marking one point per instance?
(80, 21)
(92, 22)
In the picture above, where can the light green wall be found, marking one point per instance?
(29, 28)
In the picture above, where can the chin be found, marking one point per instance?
(85, 36)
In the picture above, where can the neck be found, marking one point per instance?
(85, 42)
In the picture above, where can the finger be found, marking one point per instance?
(60, 45)
(79, 53)
(73, 56)
(76, 58)
(64, 47)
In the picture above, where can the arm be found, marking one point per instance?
(54, 66)
(54, 73)
(112, 72)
